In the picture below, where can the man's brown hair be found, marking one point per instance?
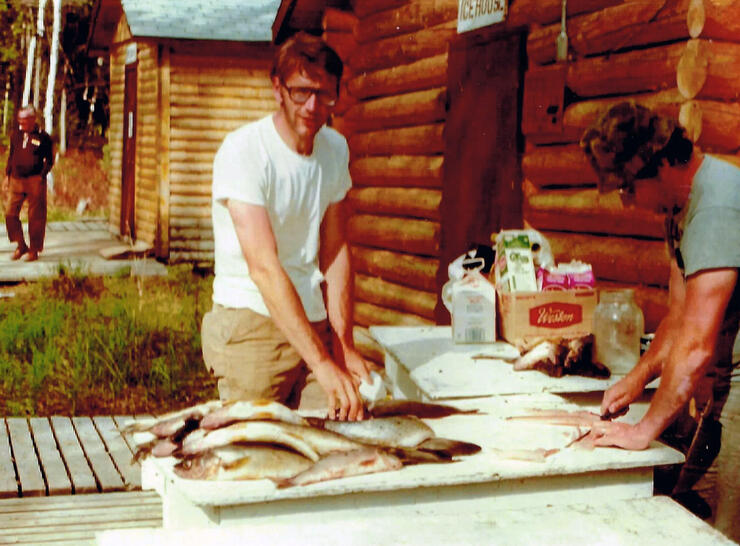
(306, 54)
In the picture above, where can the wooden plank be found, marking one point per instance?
(8, 483)
(82, 477)
(29, 473)
(69, 502)
(100, 461)
(51, 461)
(74, 519)
(119, 452)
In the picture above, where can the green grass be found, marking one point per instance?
(79, 345)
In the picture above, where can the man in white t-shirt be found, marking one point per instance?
(279, 187)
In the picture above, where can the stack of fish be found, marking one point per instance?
(560, 356)
(243, 440)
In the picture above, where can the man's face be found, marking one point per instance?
(26, 121)
(307, 101)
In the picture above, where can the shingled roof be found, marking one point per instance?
(241, 20)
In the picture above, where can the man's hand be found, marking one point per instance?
(344, 400)
(6, 184)
(621, 394)
(358, 367)
(624, 435)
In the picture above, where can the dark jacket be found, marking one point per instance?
(30, 154)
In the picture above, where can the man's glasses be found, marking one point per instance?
(300, 95)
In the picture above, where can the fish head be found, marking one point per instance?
(200, 467)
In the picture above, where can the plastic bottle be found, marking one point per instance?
(618, 327)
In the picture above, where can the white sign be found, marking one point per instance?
(131, 53)
(472, 14)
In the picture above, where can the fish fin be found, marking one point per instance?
(316, 422)
(144, 450)
(410, 456)
(447, 447)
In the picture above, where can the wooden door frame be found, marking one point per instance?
(474, 207)
(127, 219)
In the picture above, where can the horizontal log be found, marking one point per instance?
(190, 200)
(335, 19)
(177, 177)
(195, 212)
(628, 24)
(621, 259)
(403, 234)
(421, 140)
(363, 8)
(414, 202)
(652, 300)
(367, 346)
(631, 72)
(579, 116)
(414, 15)
(398, 170)
(185, 255)
(192, 234)
(190, 189)
(219, 110)
(367, 314)
(394, 296)
(709, 69)
(564, 165)
(407, 269)
(191, 245)
(423, 74)
(713, 125)
(179, 157)
(543, 12)
(187, 146)
(403, 49)
(189, 222)
(213, 134)
(717, 19)
(417, 108)
(591, 212)
(227, 99)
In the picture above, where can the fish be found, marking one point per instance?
(243, 462)
(397, 431)
(561, 356)
(423, 410)
(447, 447)
(245, 410)
(308, 441)
(173, 422)
(578, 418)
(366, 460)
(531, 455)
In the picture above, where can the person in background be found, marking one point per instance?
(279, 187)
(30, 159)
(653, 164)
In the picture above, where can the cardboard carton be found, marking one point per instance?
(525, 315)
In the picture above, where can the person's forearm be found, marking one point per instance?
(286, 310)
(684, 367)
(339, 296)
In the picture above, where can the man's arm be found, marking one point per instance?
(48, 156)
(692, 351)
(258, 244)
(650, 365)
(336, 263)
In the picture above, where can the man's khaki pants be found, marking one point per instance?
(252, 359)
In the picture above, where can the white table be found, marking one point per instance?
(569, 476)
(423, 363)
(657, 521)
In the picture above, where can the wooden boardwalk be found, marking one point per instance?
(45, 456)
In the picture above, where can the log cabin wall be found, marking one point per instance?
(208, 97)
(392, 111)
(115, 132)
(681, 57)
(147, 133)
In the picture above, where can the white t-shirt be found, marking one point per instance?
(255, 166)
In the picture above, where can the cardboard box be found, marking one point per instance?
(524, 315)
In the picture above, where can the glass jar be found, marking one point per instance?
(618, 327)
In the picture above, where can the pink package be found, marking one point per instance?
(551, 280)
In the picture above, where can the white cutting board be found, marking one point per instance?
(443, 369)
